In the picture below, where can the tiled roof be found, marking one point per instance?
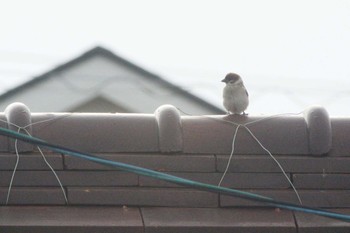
(312, 148)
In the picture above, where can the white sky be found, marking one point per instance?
(291, 54)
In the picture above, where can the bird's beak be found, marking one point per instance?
(223, 80)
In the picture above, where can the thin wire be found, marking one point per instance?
(276, 161)
(174, 179)
(49, 120)
(13, 172)
(229, 160)
(53, 171)
(272, 117)
(265, 149)
(261, 145)
(42, 155)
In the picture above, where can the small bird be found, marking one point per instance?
(235, 95)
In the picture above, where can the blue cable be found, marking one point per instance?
(173, 179)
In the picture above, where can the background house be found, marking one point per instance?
(100, 81)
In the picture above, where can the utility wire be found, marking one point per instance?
(173, 179)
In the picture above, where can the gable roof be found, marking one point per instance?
(117, 59)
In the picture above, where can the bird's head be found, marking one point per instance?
(232, 78)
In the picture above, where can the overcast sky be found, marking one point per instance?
(291, 54)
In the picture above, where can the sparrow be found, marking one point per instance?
(235, 95)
